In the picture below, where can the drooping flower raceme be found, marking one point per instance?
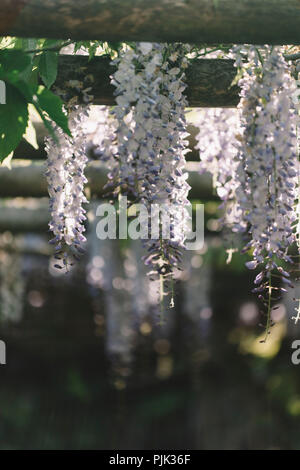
(296, 100)
(267, 163)
(166, 181)
(151, 143)
(65, 175)
(216, 142)
(268, 158)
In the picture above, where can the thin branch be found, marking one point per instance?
(50, 48)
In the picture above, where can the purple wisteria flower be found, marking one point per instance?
(217, 145)
(151, 140)
(65, 175)
(267, 162)
(267, 157)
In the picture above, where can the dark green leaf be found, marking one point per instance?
(48, 64)
(12, 64)
(79, 44)
(53, 106)
(52, 43)
(13, 120)
(46, 121)
(92, 50)
(27, 90)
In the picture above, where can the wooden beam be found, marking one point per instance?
(208, 80)
(30, 243)
(193, 21)
(26, 179)
(24, 148)
(26, 208)
(24, 219)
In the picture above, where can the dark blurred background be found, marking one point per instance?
(88, 366)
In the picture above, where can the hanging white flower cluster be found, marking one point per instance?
(105, 145)
(268, 167)
(150, 135)
(216, 142)
(65, 175)
(267, 163)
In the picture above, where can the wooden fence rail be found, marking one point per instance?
(24, 187)
(193, 21)
(208, 80)
(26, 179)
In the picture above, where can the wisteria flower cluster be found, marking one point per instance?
(216, 142)
(267, 165)
(105, 145)
(250, 152)
(218, 129)
(65, 175)
(150, 135)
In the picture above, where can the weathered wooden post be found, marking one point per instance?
(193, 21)
(208, 80)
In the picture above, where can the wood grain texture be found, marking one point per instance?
(208, 80)
(193, 21)
(9, 13)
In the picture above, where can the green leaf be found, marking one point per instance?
(26, 89)
(53, 106)
(92, 50)
(84, 44)
(115, 46)
(48, 64)
(46, 121)
(12, 64)
(13, 121)
(52, 43)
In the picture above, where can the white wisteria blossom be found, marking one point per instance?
(65, 175)
(151, 143)
(105, 144)
(216, 142)
(268, 156)
(267, 163)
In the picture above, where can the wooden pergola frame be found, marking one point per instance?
(209, 81)
(191, 21)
